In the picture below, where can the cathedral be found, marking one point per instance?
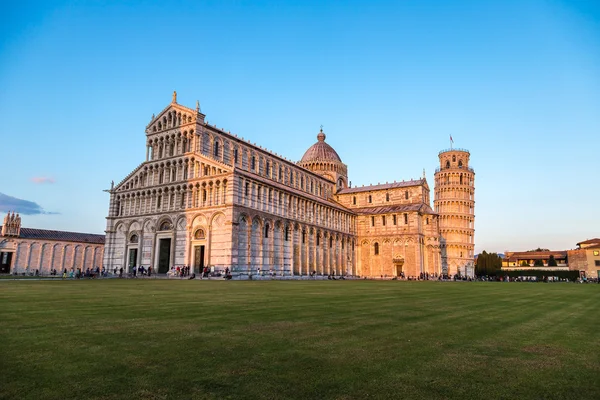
(206, 198)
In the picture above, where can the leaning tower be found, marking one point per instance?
(455, 203)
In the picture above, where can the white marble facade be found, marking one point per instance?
(206, 198)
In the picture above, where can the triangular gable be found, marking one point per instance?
(211, 162)
(192, 115)
(219, 167)
(129, 178)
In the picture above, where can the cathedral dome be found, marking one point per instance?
(320, 151)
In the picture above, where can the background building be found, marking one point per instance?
(204, 197)
(586, 258)
(25, 250)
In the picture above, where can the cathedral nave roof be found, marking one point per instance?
(297, 192)
(398, 208)
(383, 186)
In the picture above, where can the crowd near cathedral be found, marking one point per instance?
(205, 198)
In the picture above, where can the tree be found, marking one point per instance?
(552, 262)
(538, 263)
(488, 263)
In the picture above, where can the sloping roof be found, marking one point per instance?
(33, 233)
(399, 208)
(590, 241)
(535, 255)
(392, 185)
(291, 189)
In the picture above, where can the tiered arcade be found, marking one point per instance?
(455, 204)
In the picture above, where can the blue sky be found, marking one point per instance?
(515, 82)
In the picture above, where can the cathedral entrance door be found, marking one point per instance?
(164, 255)
(398, 264)
(198, 259)
(132, 258)
(5, 259)
(398, 269)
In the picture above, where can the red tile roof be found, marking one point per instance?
(399, 208)
(535, 255)
(383, 186)
(43, 234)
(589, 241)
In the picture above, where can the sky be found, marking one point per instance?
(517, 83)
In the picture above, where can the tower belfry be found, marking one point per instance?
(455, 203)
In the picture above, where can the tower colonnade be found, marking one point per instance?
(455, 203)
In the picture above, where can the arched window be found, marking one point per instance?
(406, 195)
(199, 234)
(461, 179)
(133, 238)
(330, 241)
(267, 169)
(354, 200)
(165, 226)
(376, 248)
(266, 230)
(370, 199)
(447, 164)
(253, 163)
(453, 158)
(460, 164)
(235, 156)
(216, 149)
(387, 197)
(405, 219)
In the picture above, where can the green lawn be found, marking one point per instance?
(160, 339)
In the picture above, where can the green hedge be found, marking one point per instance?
(571, 275)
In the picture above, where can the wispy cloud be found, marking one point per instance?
(26, 207)
(42, 179)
